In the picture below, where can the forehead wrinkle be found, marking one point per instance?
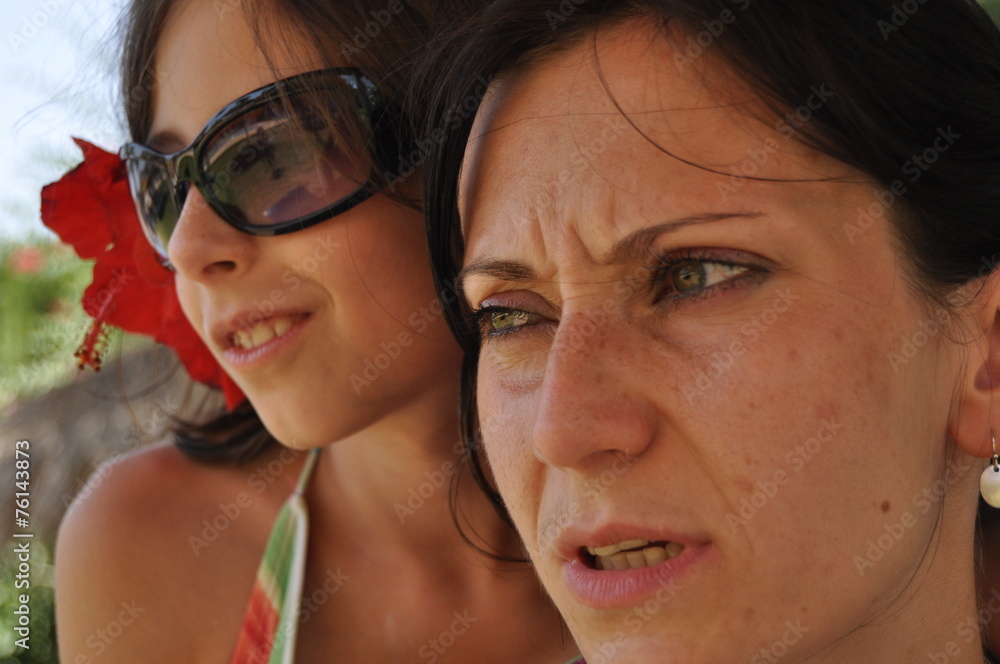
(519, 201)
(608, 196)
(538, 218)
(515, 214)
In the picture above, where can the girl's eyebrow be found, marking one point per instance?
(163, 141)
(628, 249)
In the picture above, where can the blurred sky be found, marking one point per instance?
(57, 63)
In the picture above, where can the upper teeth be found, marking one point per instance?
(635, 553)
(615, 548)
(261, 333)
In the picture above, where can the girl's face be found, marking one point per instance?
(715, 409)
(337, 324)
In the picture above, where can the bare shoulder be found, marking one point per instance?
(156, 558)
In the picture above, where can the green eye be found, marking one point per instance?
(690, 277)
(501, 321)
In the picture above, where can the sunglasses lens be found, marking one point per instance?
(279, 159)
(285, 162)
(156, 200)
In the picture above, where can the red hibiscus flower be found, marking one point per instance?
(91, 209)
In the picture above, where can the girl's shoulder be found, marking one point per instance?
(157, 555)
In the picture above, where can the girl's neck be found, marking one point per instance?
(391, 485)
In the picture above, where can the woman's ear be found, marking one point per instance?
(976, 413)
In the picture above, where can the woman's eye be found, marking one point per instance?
(690, 277)
(502, 321)
(494, 321)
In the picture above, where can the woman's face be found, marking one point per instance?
(338, 324)
(729, 379)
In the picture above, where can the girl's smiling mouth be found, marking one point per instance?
(248, 345)
(248, 338)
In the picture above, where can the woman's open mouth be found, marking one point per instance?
(630, 554)
(630, 571)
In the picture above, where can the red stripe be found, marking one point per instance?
(260, 624)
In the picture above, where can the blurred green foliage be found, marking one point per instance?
(41, 324)
(41, 624)
(41, 319)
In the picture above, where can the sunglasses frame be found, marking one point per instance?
(385, 145)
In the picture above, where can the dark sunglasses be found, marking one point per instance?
(279, 159)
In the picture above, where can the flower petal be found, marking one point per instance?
(91, 209)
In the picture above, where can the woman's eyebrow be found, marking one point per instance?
(504, 270)
(636, 245)
(628, 249)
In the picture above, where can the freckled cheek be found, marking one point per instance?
(758, 399)
(505, 425)
(822, 433)
(512, 370)
(505, 420)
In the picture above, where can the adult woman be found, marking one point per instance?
(728, 283)
(297, 267)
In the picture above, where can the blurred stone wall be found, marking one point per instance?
(98, 417)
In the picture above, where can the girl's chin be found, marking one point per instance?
(285, 426)
(289, 428)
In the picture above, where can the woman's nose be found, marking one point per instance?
(203, 246)
(590, 403)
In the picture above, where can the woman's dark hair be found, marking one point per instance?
(901, 74)
(382, 39)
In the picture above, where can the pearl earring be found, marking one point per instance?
(989, 482)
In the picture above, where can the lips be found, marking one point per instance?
(619, 565)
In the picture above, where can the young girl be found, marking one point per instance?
(286, 216)
(729, 285)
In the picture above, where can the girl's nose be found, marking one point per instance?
(203, 246)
